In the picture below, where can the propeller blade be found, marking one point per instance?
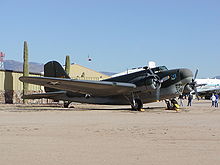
(151, 72)
(158, 94)
(195, 74)
(194, 84)
(196, 92)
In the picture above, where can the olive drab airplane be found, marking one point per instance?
(135, 89)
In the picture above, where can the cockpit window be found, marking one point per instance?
(159, 69)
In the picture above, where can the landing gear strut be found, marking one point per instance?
(137, 104)
(172, 104)
(66, 104)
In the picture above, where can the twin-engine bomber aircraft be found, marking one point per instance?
(145, 86)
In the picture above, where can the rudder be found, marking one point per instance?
(54, 69)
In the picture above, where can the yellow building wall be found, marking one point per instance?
(9, 80)
(80, 72)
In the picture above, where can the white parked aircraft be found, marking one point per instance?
(202, 87)
(205, 87)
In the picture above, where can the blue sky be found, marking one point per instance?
(117, 34)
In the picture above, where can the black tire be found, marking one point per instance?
(66, 104)
(169, 107)
(138, 105)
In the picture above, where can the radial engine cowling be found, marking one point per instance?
(187, 89)
(152, 83)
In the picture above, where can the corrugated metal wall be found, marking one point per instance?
(9, 81)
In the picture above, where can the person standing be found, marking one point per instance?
(216, 100)
(213, 98)
(190, 97)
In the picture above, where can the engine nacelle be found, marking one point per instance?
(187, 89)
(152, 83)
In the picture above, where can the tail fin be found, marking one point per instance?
(54, 69)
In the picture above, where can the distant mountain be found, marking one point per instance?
(33, 67)
(13, 65)
(18, 66)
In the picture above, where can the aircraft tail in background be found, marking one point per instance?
(54, 69)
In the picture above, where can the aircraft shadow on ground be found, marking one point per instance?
(123, 109)
(73, 108)
(42, 108)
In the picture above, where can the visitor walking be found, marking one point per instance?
(190, 97)
(216, 100)
(213, 98)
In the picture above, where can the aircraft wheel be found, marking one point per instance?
(169, 107)
(174, 103)
(66, 104)
(138, 105)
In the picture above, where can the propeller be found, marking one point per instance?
(158, 89)
(193, 84)
(156, 79)
(157, 82)
(151, 80)
(158, 94)
(195, 74)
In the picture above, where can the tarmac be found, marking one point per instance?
(111, 135)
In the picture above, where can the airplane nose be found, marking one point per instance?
(185, 73)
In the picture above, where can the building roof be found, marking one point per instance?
(79, 71)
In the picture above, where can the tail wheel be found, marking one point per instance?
(138, 105)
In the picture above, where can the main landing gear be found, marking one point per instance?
(172, 104)
(135, 101)
(137, 105)
(66, 104)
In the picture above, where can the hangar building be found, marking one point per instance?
(11, 88)
(80, 72)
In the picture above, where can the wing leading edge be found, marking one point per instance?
(96, 88)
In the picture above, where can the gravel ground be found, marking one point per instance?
(101, 134)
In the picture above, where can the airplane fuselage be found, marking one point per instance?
(171, 87)
(142, 86)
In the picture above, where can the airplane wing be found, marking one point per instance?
(208, 90)
(96, 88)
(43, 95)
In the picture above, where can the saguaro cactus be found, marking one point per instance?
(25, 69)
(67, 65)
